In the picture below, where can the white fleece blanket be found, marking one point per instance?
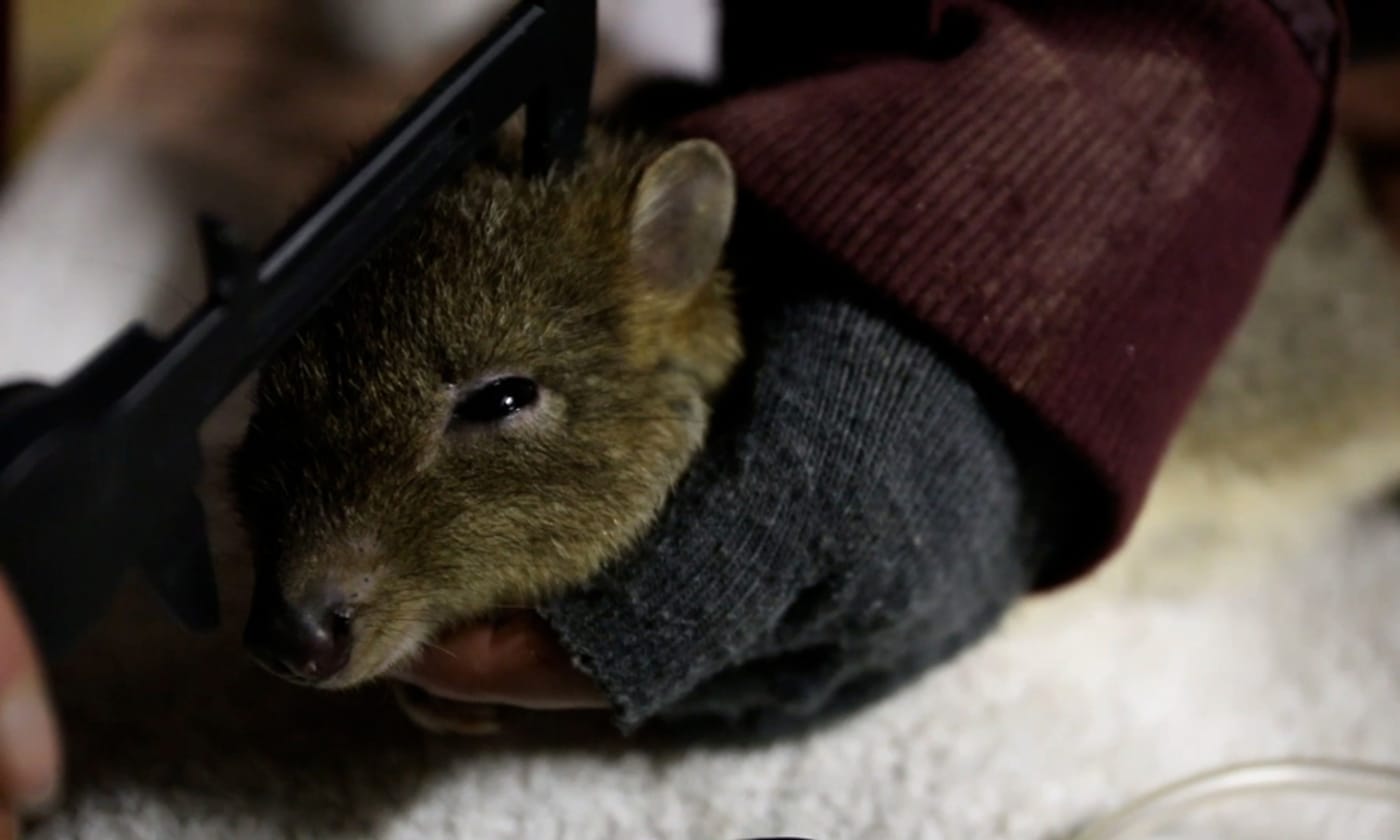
(1083, 700)
(1080, 703)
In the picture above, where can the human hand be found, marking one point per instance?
(514, 660)
(30, 758)
(264, 100)
(254, 99)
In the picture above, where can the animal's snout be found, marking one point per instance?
(308, 641)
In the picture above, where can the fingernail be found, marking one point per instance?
(28, 745)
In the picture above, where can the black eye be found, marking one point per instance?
(496, 400)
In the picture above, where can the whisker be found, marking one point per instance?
(440, 649)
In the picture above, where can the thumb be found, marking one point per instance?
(29, 742)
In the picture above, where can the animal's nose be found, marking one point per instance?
(308, 642)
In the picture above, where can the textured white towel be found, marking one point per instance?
(1082, 701)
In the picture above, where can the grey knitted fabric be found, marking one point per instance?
(859, 515)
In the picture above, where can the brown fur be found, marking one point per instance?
(349, 476)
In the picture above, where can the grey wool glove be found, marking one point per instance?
(860, 513)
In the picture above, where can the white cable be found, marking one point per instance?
(1354, 779)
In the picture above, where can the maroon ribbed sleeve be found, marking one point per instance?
(1079, 195)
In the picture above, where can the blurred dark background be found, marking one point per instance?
(1375, 28)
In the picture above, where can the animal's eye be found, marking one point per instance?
(496, 400)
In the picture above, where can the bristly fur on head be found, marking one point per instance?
(599, 285)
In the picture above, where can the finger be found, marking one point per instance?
(29, 745)
(9, 824)
(514, 662)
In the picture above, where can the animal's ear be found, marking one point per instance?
(681, 214)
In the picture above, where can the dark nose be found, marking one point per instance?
(308, 642)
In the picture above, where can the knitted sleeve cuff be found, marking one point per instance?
(857, 511)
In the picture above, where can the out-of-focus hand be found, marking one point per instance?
(254, 96)
(30, 760)
(265, 98)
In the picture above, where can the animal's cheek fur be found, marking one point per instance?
(420, 598)
(387, 633)
(399, 601)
